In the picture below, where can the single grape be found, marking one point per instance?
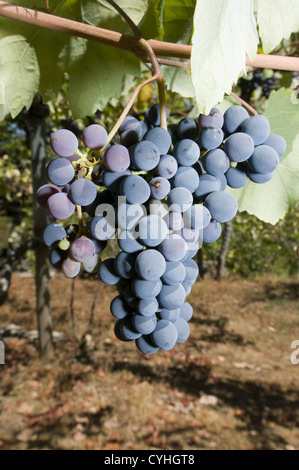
(160, 138)
(233, 118)
(183, 330)
(129, 123)
(192, 271)
(116, 158)
(124, 265)
(144, 324)
(174, 273)
(186, 177)
(207, 184)
(159, 187)
(264, 159)
(236, 177)
(101, 228)
(212, 232)
(127, 329)
(222, 206)
(60, 171)
(145, 345)
(186, 152)
(153, 114)
(167, 166)
(187, 128)
(92, 265)
(213, 119)
(174, 220)
(70, 267)
(60, 206)
(186, 311)
(259, 178)
(147, 306)
(94, 136)
(210, 137)
(107, 272)
(145, 155)
(150, 265)
(257, 127)
(64, 143)
(144, 289)
(173, 248)
(129, 138)
(197, 217)
(119, 308)
(128, 215)
(128, 242)
(239, 147)
(152, 230)
(277, 142)
(179, 199)
(56, 257)
(135, 189)
(112, 180)
(44, 192)
(82, 249)
(83, 192)
(215, 162)
(173, 132)
(170, 315)
(53, 233)
(164, 335)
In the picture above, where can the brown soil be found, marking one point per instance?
(231, 385)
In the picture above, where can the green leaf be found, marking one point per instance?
(151, 25)
(277, 22)
(101, 13)
(178, 20)
(223, 33)
(19, 75)
(271, 201)
(97, 76)
(179, 81)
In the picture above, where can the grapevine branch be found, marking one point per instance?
(127, 42)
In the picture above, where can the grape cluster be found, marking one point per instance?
(257, 81)
(161, 193)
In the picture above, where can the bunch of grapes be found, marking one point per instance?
(161, 193)
(257, 81)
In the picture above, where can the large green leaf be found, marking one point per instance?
(271, 201)
(276, 22)
(179, 80)
(97, 76)
(19, 75)
(224, 31)
(178, 20)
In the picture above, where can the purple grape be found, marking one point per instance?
(64, 143)
(53, 233)
(264, 160)
(83, 192)
(239, 147)
(60, 206)
(167, 166)
(215, 162)
(44, 192)
(233, 118)
(173, 248)
(94, 136)
(145, 155)
(116, 158)
(70, 267)
(60, 171)
(213, 119)
(82, 249)
(160, 187)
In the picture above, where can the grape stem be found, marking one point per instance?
(80, 220)
(123, 115)
(244, 103)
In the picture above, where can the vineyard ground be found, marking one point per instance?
(230, 386)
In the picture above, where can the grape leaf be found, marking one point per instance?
(19, 75)
(151, 25)
(97, 76)
(178, 20)
(271, 201)
(276, 22)
(179, 81)
(223, 33)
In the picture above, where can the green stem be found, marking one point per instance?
(80, 220)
